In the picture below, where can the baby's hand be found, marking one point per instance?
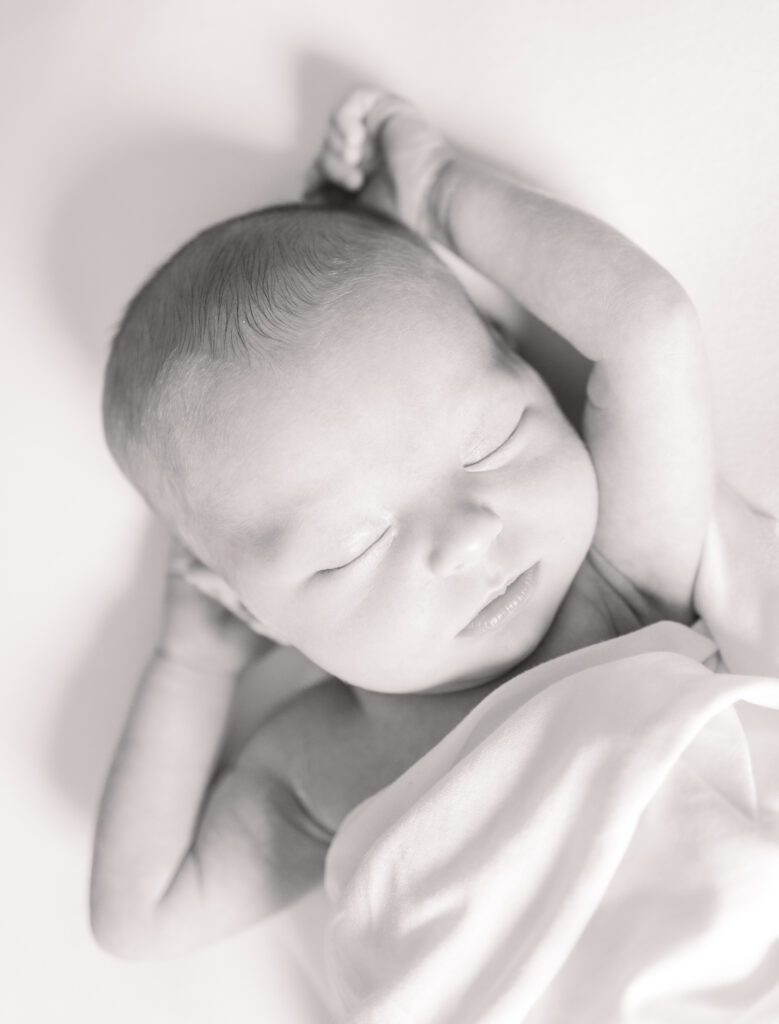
(379, 146)
(198, 629)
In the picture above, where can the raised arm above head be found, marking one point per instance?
(647, 420)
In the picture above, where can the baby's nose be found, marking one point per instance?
(463, 538)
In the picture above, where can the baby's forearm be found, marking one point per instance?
(580, 276)
(150, 806)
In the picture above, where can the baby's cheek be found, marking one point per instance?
(561, 478)
(580, 489)
(382, 643)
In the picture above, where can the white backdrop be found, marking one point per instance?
(127, 126)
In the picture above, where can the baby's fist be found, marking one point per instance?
(378, 145)
(201, 628)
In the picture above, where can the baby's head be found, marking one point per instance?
(309, 398)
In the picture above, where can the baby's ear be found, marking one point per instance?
(214, 586)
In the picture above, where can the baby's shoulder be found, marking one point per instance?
(629, 606)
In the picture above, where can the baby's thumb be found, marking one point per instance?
(384, 107)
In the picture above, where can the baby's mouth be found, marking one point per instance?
(503, 605)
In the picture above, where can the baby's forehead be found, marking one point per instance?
(361, 405)
(396, 301)
(392, 339)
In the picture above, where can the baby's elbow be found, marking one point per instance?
(119, 941)
(668, 316)
(137, 945)
(659, 327)
(679, 341)
(127, 938)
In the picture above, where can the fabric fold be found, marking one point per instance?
(598, 841)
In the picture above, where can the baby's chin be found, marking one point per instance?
(505, 655)
(488, 658)
(494, 668)
(492, 675)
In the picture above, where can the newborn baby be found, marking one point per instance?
(366, 469)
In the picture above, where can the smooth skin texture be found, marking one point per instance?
(417, 446)
(417, 466)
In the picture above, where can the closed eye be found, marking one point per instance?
(483, 459)
(357, 558)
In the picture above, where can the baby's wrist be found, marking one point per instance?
(207, 649)
(199, 665)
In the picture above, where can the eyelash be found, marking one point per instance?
(345, 565)
(483, 458)
(468, 465)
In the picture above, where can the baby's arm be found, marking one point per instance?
(186, 855)
(181, 858)
(647, 418)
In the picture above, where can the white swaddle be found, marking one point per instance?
(597, 841)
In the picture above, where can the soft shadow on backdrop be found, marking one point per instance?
(128, 128)
(152, 195)
(126, 214)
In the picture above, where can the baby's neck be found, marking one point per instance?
(597, 607)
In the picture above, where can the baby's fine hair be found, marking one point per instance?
(236, 294)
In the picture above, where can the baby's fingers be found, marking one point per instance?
(341, 168)
(358, 119)
(385, 106)
(350, 115)
(349, 139)
(352, 152)
(341, 160)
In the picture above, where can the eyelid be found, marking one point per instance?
(500, 447)
(345, 565)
